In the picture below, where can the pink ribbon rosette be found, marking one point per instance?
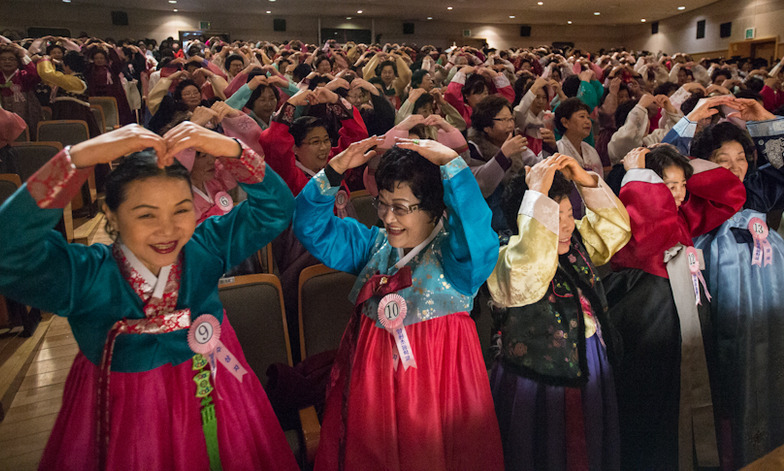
(391, 313)
(763, 252)
(696, 274)
(341, 201)
(223, 201)
(204, 338)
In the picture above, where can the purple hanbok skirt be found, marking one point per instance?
(533, 421)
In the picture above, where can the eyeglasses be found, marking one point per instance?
(398, 210)
(318, 142)
(505, 120)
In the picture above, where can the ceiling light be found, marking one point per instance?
(268, 12)
(540, 3)
(359, 12)
(175, 10)
(642, 20)
(511, 16)
(596, 13)
(348, 17)
(429, 17)
(66, 1)
(681, 8)
(448, 8)
(569, 22)
(172, 1)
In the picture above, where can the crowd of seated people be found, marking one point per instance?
(637, 301)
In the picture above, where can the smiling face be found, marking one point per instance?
(99, 59)
(732, 157)
(578, 125)
(540, 102)
(565, 225)
(403, 231)
(675, 180)
(314, 150)
(265, 104)
(427, 83)
(388, 75)
(503, 125)
(236, 67)
(8, 62)
(191, 97)
(155, 220)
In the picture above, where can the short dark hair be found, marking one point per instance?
(181, 86)
(622, 112)
(666, 88)
(320, 58)
(232, 58)
(417, 76)
(301, 127)
(474, 85)
(515, 189)
(716, 73)
(75, 61)
(139, 166)
(424, 100)
(566, 109)
(665, 156)
(300, 72)
(380, 67)
(486, 110)
(571, 85)
(400, 165)
(755, 84)
(712, 137)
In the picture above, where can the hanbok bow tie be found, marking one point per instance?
(381, 285)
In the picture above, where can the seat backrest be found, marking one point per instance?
(100, 120)
(254, 305)
(65, 131)
(363, 205)
(9, 182)
(324, 308)
(110, 112)
(28, 157)
(46, 113)
(24, 136)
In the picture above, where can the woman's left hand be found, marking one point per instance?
(433, 151)
(189, 135)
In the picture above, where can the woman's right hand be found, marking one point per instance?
(113, 145)
(540, 177)
(356, 154)
(303, 97)
(514, 145)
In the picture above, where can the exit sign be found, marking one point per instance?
(750, 33)
(204, 25)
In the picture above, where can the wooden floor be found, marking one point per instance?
(27, 424)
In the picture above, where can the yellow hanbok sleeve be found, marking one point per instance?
(528, 263)
(69, 83)
(605, 228)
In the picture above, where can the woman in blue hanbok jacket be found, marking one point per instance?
(748, 304)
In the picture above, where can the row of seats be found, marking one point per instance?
(255, 307)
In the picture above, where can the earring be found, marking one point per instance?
(110, 231)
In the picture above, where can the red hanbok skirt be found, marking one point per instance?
(437, 416)
(156, 420)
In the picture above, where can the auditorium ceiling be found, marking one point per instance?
(579, 12)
